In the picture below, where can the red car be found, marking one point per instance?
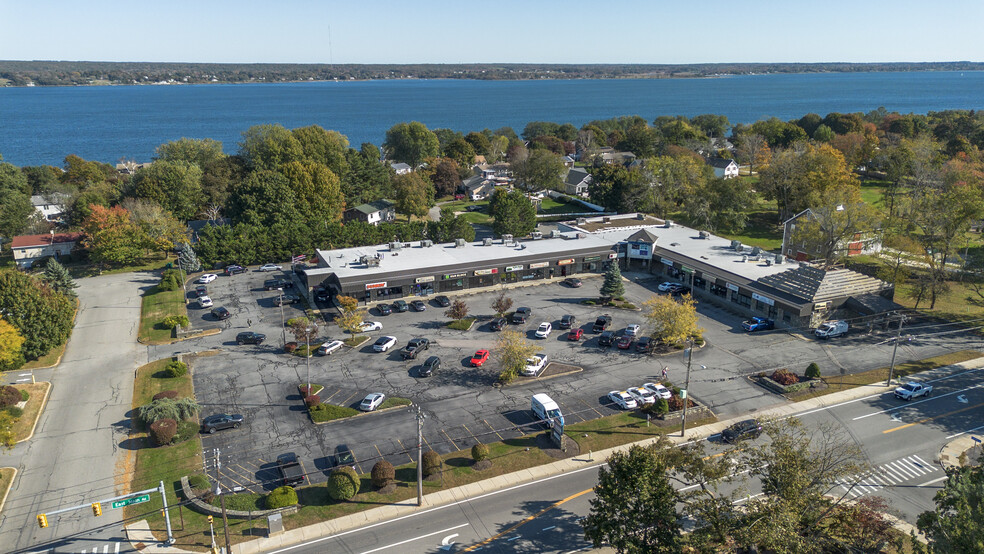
(624, 342)
(575, 334)
(479, 358)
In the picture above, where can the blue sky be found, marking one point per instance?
(534, 31)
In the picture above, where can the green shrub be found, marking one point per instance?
(812, 371)
(9, 396)
(328, 412)
(432, 463)
(298, 322)
(661, 407)
(24, 395)
(163, 431)
(382, 474)
(480, 452)
(14, 411)
(172, 321)
(175, 368)
(199, 482)
(281, 497)
(187, 430)
(168, 408)
(170, 280)
(343, 483)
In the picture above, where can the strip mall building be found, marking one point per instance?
(718, 270)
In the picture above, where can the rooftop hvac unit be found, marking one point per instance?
(458, 243)
(506, 239)
(554, 234)
(606, 219)
(735, 244)
(580, 235)
(537, 235)
(396, 246)
(669, 223)
(744, 258)
(582, 221)
(641, 216)
(426, 243)
(756, 251)
(780, 258)
(703, 234)
(487, 242)
(768, 262)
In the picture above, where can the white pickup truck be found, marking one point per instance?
(910, 390)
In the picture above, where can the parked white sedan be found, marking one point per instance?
(372, 401)
(329, 347)
(204, 302)
(623, 399)
(659, 390)
(367, 326)
(642, 396)
(544, 330)
(383, 344)
(271, 267)
(207, 278)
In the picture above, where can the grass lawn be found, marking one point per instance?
(762, 230)
(331, 412)
(463, 324)
(619, 429)
(476, 217)
(873, 193)
(6, 480)
(155, 306)
(960, 303)
(462, 205)
(550, 206)
(151, 464)
(394, 401)
(152, 261)
(844, 382)
(32, 410)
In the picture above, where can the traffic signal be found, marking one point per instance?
(42, 521)
(210, 519)
(97, 509)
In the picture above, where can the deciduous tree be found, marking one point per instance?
(111, 236)
(200, 152)
(443, 173)
(351, 315)
(41, 315)
(413, 194)
(268, 147)
(457, 311)
(539, 171)
(512, 350)
(501, 303)
(327, 148)
(673, 322)
(955, 525)
(11, 343)
(411, 143)
(15, 201)
(799, 178)
(829, 229)
(512, 213)
(176, 186)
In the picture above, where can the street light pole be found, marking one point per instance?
(895, 349)
(283, 331)
(686, 388)
(307, 340)
(420, 455)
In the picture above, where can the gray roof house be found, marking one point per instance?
(577, 181)
(400, 168)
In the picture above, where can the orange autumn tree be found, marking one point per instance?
(111, 236)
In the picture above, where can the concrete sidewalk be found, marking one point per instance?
(138, 532)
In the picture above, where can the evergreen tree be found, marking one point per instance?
(613, 286)
(58, 277)
(188, 260)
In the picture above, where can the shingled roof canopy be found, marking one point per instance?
(642, 235)
(817, 285)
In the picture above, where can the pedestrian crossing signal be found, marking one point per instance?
(42, 521)
(97, 509)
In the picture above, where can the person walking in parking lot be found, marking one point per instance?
(664, 372)
(249, 323)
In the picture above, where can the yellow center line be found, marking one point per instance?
(527, 520)
(925, 419)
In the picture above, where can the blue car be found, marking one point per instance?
(758, 324)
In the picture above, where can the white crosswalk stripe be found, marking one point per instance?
(887, 475)
(103, 550)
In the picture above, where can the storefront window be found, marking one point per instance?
(718, 290)
(741, 299)
(452, 285)
(482, 281)
(699, 283)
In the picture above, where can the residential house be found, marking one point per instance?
(478, 188)
(401, 168)
(867, 242)
(568, 162)
(130, 167)
(624, 158)
(373, 212)
(50, 206)
(577, 181)
(28, 249)
(723, 167)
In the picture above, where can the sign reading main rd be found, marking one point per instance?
(134, 500)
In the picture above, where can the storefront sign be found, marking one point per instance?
(568, 261)
(374, 286)
(665, 261)
(686, 269)
(763, 299)
(538, 265)
(592, 258)
(454, 275)
(731, 287)
(492, 271)
(511, 268)
(427, 279)
(613, 255)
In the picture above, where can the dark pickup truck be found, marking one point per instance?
(414, 347)
(291, 471)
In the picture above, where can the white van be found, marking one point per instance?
(546, 409)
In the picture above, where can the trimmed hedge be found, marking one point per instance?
(172, 394)
(812, 371)
(172, 321)
(480, 452)
(175, 368)
(432, 463)
(383, 473)
(343, 483)
(187, 430)
(281, 497)
(9, 396)
(328, 412)
(163, 431)
(199, 482)
(25, 395)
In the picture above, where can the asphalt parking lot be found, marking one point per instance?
(460, 403)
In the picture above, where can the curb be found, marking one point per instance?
(360, 414)
(6, 492)
(44, 403)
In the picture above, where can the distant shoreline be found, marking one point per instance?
(61, 73)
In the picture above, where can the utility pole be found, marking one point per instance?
(686, 388)
(307, 341)
(895, 349)
(420, 455)
(225, 520)
(283, 330)
(167, 516)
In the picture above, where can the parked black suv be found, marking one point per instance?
(400, 306)
(414, 347)
(221, 313)
(498, 324)
(521, 315)
(234, 269)
(249, 337)
(219, 422)
(274, 284)
(568, 321)
(442, 301)
(603, 322)
(607, 338)
(430, 366)
(747, 429)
